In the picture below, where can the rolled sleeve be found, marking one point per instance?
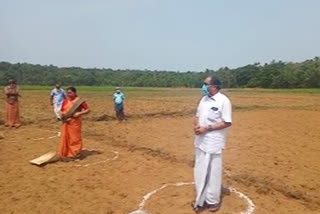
(227, 112)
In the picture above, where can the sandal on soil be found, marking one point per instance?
(212, 207)
(197, 209)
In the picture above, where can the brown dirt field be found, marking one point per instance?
(272, 155)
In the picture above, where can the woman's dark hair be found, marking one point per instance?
(73, 89)
(11, 81)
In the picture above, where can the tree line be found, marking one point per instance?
(276, 74)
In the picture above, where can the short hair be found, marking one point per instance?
(73, 89)
(215, 81)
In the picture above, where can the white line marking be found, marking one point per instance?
(77, 165)
(42, 138)
(58, 134)
(99, 162)
(147, 196)
(10, 141)
(250, 205)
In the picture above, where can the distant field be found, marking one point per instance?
(92, 88)
(154, 89)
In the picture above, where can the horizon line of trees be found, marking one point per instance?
(276, 74)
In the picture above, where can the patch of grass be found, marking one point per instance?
(35, 87)
(134, 91)
(179, 91)
(95, 88)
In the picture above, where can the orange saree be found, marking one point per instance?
(71, 140)
(12, 118)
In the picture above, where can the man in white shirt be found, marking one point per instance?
(57, 96)
(212, 119)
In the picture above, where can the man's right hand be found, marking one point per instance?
(195, 128)
(201, 130)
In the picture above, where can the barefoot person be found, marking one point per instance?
(118, 98)
(12, 117)
(57, 96)
(72, 110)
(213, 117)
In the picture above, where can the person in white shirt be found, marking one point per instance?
(212, 119)
(57, 97)
(118, 98)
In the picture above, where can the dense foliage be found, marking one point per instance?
(276, 74)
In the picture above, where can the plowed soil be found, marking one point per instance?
(272, 155)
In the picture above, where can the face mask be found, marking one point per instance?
(205, 90)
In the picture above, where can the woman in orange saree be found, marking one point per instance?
(71, 111)
(12, 118)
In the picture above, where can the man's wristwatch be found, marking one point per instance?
(209, 128)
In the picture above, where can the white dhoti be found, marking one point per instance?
(56, 109)
(208, 177)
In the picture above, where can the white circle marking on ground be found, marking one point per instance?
(100, 162)
(43, 138)
(58, 134)
(76, 165)
(116, 155)
(250, 205)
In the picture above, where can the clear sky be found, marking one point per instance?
(178, 35)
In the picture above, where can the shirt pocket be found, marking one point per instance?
(214, 115)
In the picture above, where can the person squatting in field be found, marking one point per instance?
(118, 99)
(12, 116)
(57, 96)
(212, 119)
(71, 113)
